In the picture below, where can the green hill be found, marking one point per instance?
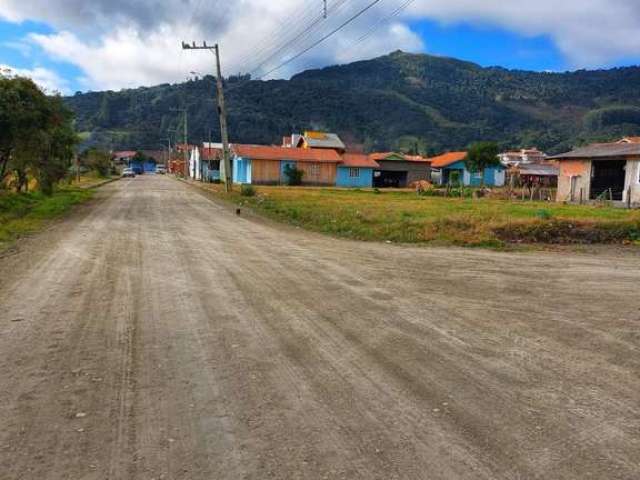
(396, 100)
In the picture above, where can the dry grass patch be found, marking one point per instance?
(403, 216)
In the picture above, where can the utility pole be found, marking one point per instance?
(222, 112)
(324, 9)
(185, 153)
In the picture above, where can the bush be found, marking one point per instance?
(247, 190)
(544, 214)
(294, 176)
(567, 232)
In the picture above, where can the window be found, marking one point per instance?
(354, 172)
(314, 170)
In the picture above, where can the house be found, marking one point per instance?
(318, 140)
(601, 170)
(514, 158)
(535, 174)
(204, 162)
(396, 170)
(356, 171)
(266, 165)
(453, 169)
(128, 158)
(123, 157)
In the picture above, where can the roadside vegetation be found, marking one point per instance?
(403, 216)
(37, 147)
(25, 213)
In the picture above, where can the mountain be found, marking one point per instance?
(399, 100)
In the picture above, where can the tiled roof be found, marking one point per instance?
(602, 150)
(447, 159)
(211, 153)
(359, 160)
(261, 152)
(124, 154)
(630, 140)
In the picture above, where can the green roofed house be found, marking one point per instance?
(396, 170)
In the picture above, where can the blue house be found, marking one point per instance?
(454, 170)
(356, 171)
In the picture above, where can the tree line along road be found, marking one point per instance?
(155, 334)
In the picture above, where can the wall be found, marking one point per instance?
(283, 165)
(416, 171)
(581, 169)
(321, 173)
(265, 172)
(364, 180)
(633, 181)
(241, 170)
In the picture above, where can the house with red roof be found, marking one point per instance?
(356, 171)
(453, 170)
(267, 165)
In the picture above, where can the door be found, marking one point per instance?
(607, 179)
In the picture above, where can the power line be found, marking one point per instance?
(301, 34)
(322, 39)
(375, 27)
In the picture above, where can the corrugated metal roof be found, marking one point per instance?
(398, 157)
(538, 169)
(261, 152)
(323, 140)
(602, 151)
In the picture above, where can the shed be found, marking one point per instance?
(601, 170)
(396, 170)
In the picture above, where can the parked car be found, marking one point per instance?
(161, 169)
(128, 172)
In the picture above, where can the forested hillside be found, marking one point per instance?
(398, 100)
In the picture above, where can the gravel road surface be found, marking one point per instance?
(154, 334)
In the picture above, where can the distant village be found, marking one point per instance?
(601, 171)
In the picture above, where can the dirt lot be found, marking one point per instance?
(154, 334)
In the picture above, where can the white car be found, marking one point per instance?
(161, 169)
(128, 172)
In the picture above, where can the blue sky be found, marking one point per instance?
(130, 43)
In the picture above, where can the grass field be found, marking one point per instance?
(21, 214)
(403, 216)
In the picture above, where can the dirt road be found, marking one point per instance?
(156, 335)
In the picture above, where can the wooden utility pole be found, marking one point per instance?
(222, 112)
(185, 152)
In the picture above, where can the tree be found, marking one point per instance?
(57, 144)
(21, 112)
(97, 160)
(480, 156)
(294, 176)
(36, 134)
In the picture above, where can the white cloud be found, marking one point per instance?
(590, 33)
(129, 56)
(127, 43)
(46, 79)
